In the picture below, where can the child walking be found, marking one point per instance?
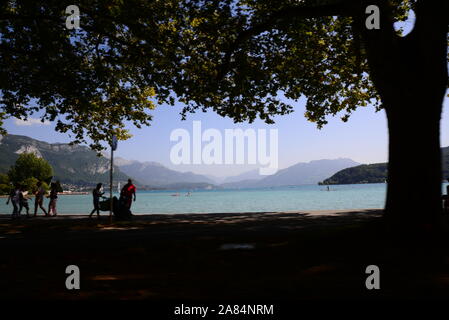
(53, 199)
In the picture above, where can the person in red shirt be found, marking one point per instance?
(128, 192)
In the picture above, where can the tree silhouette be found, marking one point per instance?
(235, 57)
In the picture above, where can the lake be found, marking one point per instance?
(306, 197)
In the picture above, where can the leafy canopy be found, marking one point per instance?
(233, 57)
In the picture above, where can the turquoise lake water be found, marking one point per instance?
(307, 197)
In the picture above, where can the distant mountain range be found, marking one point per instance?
(299, 174)
(79, 165)
(155, 174)
(252, 175)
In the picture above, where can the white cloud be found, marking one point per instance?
(31, 122)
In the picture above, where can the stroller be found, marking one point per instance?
(119, 208)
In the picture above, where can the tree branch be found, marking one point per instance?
(332, 8)
(383, 46)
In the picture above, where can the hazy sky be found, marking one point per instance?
(363, 138)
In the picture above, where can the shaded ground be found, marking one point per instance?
(218, 256)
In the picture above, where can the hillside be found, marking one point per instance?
(365, 173)
(376, 173)
(75, 164)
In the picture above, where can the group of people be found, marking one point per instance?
(19, 200)
(127, 194)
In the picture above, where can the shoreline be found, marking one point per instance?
(59, 194)
(105, 214)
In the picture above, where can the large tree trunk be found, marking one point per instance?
(410, 74)
(414, 165)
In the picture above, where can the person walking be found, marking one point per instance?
(23, 201)
(53, 199)
(39, 200)
(97, 194)
(14, 198)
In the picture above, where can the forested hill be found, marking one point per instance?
(365, 173)
(375, 173)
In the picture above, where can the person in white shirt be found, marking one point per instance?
(97, 193)
(23, 201)
(39, 200)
